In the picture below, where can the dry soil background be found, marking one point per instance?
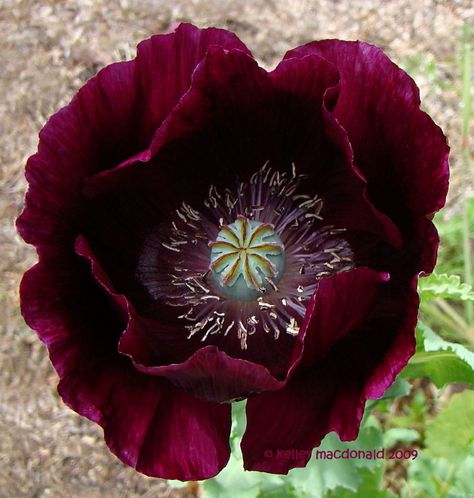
(48, 50)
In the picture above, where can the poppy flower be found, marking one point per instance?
(208, 231)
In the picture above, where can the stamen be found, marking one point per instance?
(292, 327)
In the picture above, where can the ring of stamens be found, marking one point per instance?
(249, 260)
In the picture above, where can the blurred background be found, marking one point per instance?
(48, 50)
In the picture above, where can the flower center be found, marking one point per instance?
(247, 258)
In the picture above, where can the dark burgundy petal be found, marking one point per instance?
(208, 373)
(397, 307)
(428, 242)
(417, 254)
(228, 88)
(161, 338)
(338, 182)
(168, 61)
(231, 116)
(207, 129)
(233, 119)
(217, 151)
(208, 370)
(77, 141)
(114, 304)
(401, 152)
(119, 220)
(146, 420)
(329, 394)
(338, 306)
(113, 117)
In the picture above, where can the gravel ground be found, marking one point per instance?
(49, 49)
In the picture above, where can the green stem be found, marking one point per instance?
(449, 310)
(444, 487)
(465, 330)
(432, 310)
(466, 117)
(429, 356)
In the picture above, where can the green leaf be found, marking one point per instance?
(220, 488)
(430, 477)
(239, 421)
(370, 486)
(464, 485)
(397, 435)
(311, 482)
(433, 342)
(442, 368)
(172, 483)
(325, 474)
(444, 286)
(233, 480)
(442, 361)
(399, 388)
(283, 492)
(451, 433)
(426, 476)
